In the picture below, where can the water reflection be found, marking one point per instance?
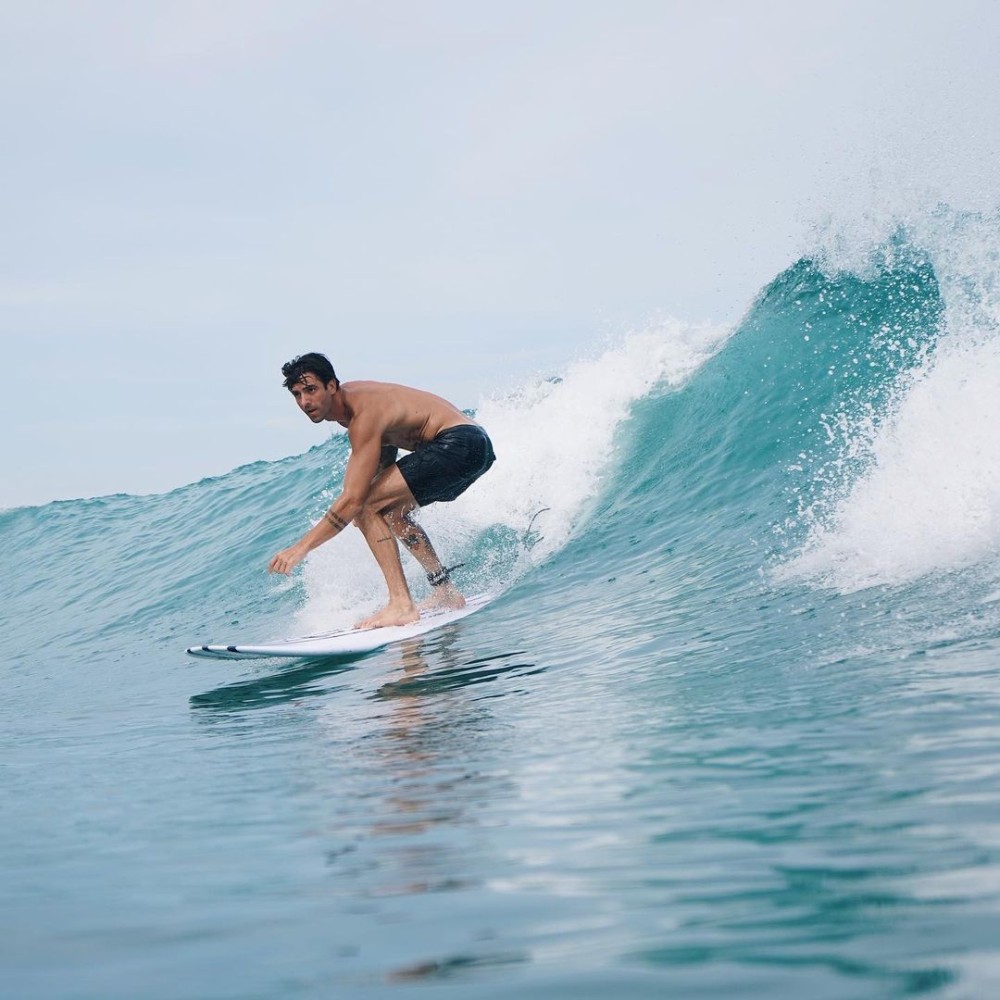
(445, 968)
(288, 684)
(419, 820)
(414, 750)
(453, 672)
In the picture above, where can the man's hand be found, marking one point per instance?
(287, 559)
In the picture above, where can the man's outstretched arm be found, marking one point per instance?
(362, 466)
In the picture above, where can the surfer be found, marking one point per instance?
(448, 452)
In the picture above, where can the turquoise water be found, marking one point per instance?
(729, 728)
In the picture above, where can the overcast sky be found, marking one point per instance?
(451, 194)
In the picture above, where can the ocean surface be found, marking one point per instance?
(730, 728)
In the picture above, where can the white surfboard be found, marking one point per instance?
(347, 642)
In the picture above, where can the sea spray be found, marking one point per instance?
(914, 488)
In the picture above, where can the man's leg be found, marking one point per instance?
(444, 594)
(383, 517)
(400, 610)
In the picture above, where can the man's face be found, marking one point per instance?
(313, 398)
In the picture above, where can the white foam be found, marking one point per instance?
(929, 500)
(554, 439)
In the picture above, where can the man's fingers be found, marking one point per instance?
(284, 562)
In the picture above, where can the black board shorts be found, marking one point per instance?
(446, 467)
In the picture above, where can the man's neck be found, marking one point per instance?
(341, 410)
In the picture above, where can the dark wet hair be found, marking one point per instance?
(318, 364)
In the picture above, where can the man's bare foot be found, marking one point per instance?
(391, 614)
(442, 597)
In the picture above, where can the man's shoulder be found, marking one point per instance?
(376, 396)
(370, 389)
(370, 404)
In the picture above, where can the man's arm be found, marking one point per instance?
(362, 467)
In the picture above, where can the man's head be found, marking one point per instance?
(318, 364)
(311, 380)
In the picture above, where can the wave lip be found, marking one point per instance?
(916, 490)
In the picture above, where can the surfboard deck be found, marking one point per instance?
(345, 642)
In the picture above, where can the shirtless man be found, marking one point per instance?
(448, 453)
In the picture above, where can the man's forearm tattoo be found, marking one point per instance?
(336, 520)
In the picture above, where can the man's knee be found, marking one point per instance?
(364, 516)
(394, 514)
